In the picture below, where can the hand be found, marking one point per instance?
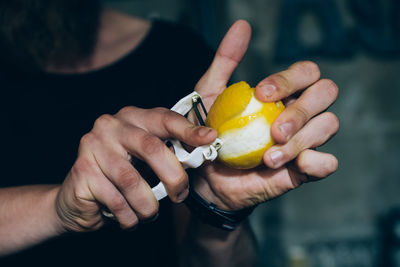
(103, 176)
(302, 126)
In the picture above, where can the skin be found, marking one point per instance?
(103, 176)
(303, 125)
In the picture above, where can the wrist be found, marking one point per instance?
(211, 214)
(208, 208)
(206, 231)
(203, 189)
(55, 220)
(221, 248)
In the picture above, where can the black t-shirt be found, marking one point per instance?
(44, 116)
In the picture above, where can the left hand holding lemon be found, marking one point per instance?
(301, 126)
(243, 124)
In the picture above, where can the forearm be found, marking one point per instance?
(27, 217)
(205, 245)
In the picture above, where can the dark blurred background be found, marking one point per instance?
(353, 217)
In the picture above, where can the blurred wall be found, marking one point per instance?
(346, 219)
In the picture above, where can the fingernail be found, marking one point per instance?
(183, 195)
(203, 131)
(268, 89)
(276, 156)
(286, 129)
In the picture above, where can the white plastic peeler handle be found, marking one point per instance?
(189, 160)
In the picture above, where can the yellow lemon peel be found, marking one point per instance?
(243, 124)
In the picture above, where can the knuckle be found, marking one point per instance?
(105, 121)
(160, 110)
(127, 179)
(126, 111)
(117, 203)
(303, 164)
(88, 139)
(168, 117)
(79, 193)
(179, 181)
(299, 144)
(282, 82)
(301, 113)
(82, 165)
(331, 88)
(151, 145)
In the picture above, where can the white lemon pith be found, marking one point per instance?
(243, 124)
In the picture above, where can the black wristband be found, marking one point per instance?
(209, 213)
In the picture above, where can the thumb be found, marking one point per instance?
(229, 54)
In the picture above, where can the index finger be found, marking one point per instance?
(298, 76)
(166, 124)
(229, 54)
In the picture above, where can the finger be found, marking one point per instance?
(278, 181)
(229, 54)
(315, 133)
(161, 160)
(100, 188)
(313, 101)
(280, 85)
(129, 182)
(316, 164)
(166, 124)
(107, 194)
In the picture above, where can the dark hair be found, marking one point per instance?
(36, 33)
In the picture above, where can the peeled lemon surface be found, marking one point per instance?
(243, 124)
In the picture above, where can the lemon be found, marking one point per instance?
(243, 124)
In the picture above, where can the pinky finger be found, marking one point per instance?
(316, 164)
